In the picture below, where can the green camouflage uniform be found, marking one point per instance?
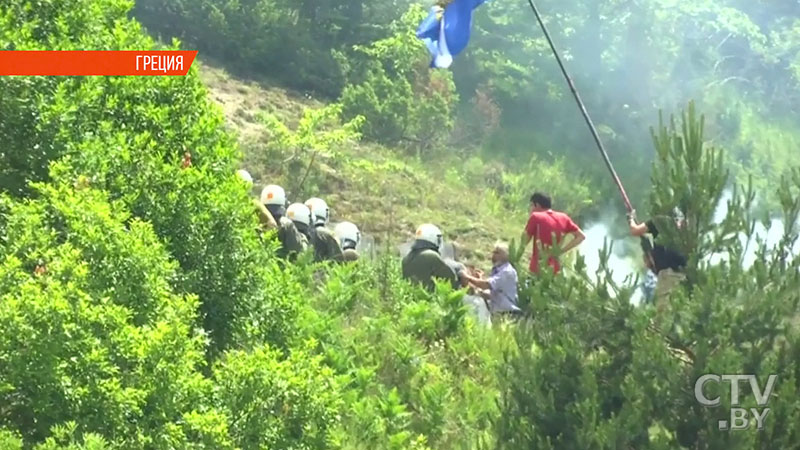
(326, 247)
(293, 241)
(423, 264)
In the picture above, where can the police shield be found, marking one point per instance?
(366, 247)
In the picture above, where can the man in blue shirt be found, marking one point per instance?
(501, 286)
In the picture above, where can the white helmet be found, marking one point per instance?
(319, 210)
(347, 231)
(273, 195)
(299, 212)
(430, 233)
(245, 176)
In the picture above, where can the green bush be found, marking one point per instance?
(9, 440)
(204, 216)
(127, 135)
(272, 37)
(569, 192)
(318, 139)
(398, 94)
(45, 117)
(420, 372)
(92, 331)
(63, 439)
(275, 402)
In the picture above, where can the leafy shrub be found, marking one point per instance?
(420, 371)
(276, 37)
(395, 90)
(64, 438)
(204, 216)
(44, 117)
(569, 193)
(9, 440)
(127, 135)
(318, 137)
(92, 331)
(275, 402)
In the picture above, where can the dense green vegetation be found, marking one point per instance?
(140, 309)
(737, 59)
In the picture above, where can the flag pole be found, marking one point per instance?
(583, 109)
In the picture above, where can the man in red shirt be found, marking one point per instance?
(545, 224)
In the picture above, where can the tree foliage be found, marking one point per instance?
(140, 309)
(280, 38)
(127, 135)
(317, 139)
(393, 87)
(628, 59)
(277, 402)
(92, 328)
(688, 176)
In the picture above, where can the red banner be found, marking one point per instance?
(96, 63)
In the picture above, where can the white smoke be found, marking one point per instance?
(772, 235)
(623, 261)
(620, 265)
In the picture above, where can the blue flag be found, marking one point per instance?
(446, 33)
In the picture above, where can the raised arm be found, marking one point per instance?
(637, 229)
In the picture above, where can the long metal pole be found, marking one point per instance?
(583, 109)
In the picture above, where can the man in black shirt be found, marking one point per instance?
(668, 263)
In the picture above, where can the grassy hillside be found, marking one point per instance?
(387, 192)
